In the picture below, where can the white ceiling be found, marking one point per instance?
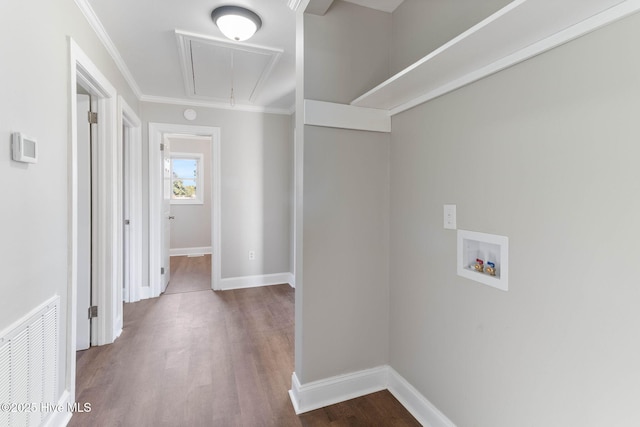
(149, 37)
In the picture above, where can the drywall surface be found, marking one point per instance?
(420, 27)
(346, 52)
(191, 226)
(34, 99)
(256, 169)
(344, 304)
(545, 153)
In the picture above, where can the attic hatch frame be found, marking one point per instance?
(185, 39)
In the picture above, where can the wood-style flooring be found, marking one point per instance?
(204, 358)
(189, 274)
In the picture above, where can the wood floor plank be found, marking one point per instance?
(204, 358)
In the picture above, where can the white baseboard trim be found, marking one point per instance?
(292, 280)
(60, 418)
(189, 251)
(254, 281)
(321, 393)
(144, 292)
(318, 394)
(418, 405)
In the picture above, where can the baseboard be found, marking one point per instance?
(318, 394)
(418, 405)
(190, 251)
(144, 292)
(60, 418)
(254, 281)
(292, 280)
(330, 391)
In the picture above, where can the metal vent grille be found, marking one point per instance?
(29, 365)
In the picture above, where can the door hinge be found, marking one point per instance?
(161, 147)
(93, 311)
(161, 270)
(93, 118)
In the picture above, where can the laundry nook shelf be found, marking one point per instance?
(484, 258)
(515, 33)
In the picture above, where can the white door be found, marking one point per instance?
(126, 233)
(83, 326)
(166, 213)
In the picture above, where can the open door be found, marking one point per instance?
(85, 212)
(166, 213)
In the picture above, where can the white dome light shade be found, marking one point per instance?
(236, 23)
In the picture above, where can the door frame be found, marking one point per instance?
(108, 245)
(156, 133)
(130, 128)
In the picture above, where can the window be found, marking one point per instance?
(186, 178)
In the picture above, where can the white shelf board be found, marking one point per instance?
(329, 114)
(520, 30)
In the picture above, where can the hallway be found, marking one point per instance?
(204, 358)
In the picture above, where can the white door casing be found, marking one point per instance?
(130, 130)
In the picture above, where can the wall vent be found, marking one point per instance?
(29, 365)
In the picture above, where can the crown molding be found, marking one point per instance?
(214, 104)
(100, 31)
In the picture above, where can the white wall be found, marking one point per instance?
(257, 168)
(545, 153)
(35, 100)
(344, 305)
(191, 227)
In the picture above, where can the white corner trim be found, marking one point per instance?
(60, 418)
(190, 251)
(255, 281)
(291, 280)
(343, 116)
(329, 391)
(103, 36)
(418, 405)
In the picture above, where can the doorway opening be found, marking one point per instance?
(105, 216)
(160, 184)
(190, 213)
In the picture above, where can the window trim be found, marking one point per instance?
(199, 199)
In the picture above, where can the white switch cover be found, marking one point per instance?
(450, 217)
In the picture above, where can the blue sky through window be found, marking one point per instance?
(185, 168)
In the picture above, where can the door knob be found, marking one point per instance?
(172, 217)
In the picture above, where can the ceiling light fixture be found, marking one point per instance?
(235, 22)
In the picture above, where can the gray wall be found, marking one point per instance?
(345, 287)
(34, 99)
(257, 170)
(420, 27)
(191, 226)
(545, 153)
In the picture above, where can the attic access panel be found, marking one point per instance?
(209, 65)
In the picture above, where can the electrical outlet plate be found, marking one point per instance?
(450, 217)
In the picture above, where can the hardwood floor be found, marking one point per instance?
(204, 358)
(189, 274)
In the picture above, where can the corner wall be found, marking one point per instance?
(546, 153)
(345, 220)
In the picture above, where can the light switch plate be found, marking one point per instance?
(450, 217)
